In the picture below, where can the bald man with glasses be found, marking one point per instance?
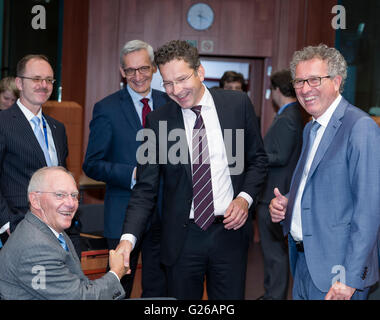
(29, 139)
(39, 261)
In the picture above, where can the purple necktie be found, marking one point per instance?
(202, 185)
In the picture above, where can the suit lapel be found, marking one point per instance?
(27, 134)
(46, 230)
(72, 250)
(158, 99)
(175, 122)
(328, 136)
(56, 139)
(224, 118)
(128, 110)
(225, 121)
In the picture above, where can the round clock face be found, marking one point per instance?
(200, 16)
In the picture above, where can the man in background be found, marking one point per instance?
(282, 143)
(111, 158)
(29, 139)
(232, 80)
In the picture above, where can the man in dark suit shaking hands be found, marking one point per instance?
(111, 157)
(207, 193)
(29, 139)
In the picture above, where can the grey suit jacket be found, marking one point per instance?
(33, 265)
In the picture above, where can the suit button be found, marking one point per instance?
(116, 295)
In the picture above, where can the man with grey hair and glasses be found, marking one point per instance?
(111, 158)
(38, 261)
(332, 211)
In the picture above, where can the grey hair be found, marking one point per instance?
(336, 64)
(38, 178)
(136, 45)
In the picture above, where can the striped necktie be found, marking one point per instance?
(202, 185)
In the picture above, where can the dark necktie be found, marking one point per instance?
(146, 109)
(41, 139)
(298, 175)
(62, 242)
(202, 185)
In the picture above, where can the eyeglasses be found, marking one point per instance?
(312, 82)
(132, 71)
(62, 195)
(38, 80)
(169, 85)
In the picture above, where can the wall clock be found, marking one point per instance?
(200, 16)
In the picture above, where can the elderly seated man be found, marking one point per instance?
(39, 261)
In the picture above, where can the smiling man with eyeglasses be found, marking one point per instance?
(111, 157)
(207, 225)
(29, 139)
(39, 261)
(332, 211)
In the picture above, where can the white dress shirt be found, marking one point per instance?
(51, 146)
(323, 120)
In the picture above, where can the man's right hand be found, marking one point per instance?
(125, 248)
(277, 206)
(116, 262)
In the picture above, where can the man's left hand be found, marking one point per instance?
(340, 291)
(236, 214)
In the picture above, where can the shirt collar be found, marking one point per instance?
(54, 232)
(281, 110)
(136, 97)
(27, 113)
(324, 119)
(207, 102)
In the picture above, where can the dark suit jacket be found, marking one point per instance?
(111, 152)
(282, 143)
(235, 111)
(20, 156)
(33, 265)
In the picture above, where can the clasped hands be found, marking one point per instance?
(234, 218)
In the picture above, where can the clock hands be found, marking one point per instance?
(200, 16)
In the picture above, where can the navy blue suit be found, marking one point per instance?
(111, 154)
